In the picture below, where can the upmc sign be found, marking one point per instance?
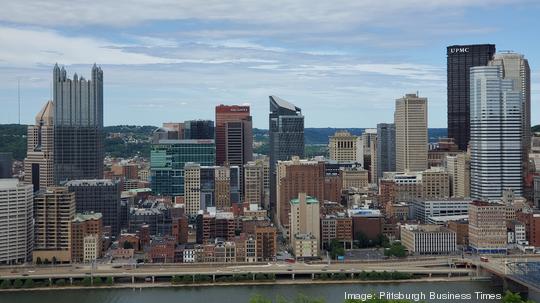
(459, 50)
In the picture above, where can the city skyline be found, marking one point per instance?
(185, 59)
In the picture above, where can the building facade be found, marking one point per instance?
(496, 134)
(487, 227)
(460, 58)
(78, 126)
(386, 149)
(428, 239)
(344, 147)
(17, 225)
(410, 119)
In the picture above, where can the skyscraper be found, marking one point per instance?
(386, 149)
(39, 165)
(516, 68)
(496, 134)
(17, 224)
(167, 160)
(286, 131)
(100, 196)
(460, 58)
(234, 135)
(198, 129)
(345, 147)
(6, 163)
(78, 126)
(410, 119)
(54, 208)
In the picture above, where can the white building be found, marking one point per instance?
(424, 209)
(16, 221)
(91, 248)
(428, 239)
(496, 134)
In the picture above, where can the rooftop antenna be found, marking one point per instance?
(19, 97)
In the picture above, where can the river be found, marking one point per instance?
(333, 293)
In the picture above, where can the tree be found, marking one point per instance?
(18, 283)
(259, 299)
(127, 245)
(28, 283)
(87, 281)
(97, 281)
(396, 250)
(54, 260)
(60, 283)
(46, 262)
(510, 297)
(109, 281)
(38, 261)
(5, 284)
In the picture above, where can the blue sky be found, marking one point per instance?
(343, 62)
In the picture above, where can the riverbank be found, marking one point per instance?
(247, 283)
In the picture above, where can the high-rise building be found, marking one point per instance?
(39, 162)
(54, 209)
(496, 134)
(410, 119)
(516, 68)
(16, 225)
(460, 58)
(99, 196)
(369, 138)
(210, 186)
(6, 165)
(345, 147)
(267, 247)
(286, 132)
(167, 160)
(234, 135)
(198, 129)
(256, 183)
(435, 183)
(304, 217)
(84, 225)
(487, 227)
(78, 126)
(293, 177)
(386, 149)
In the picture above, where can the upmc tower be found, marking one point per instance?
(460, 59)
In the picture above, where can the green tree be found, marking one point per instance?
(60, 283)
(54, 260)
(38, 261)
(259, 299)
(5, 284)
(98, 281)
(28, 283)
(18, 283)
(336, 249)
(396, 250)
(109, 281)
(87, 281)
(510, 297)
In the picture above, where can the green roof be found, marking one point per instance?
(309, 200)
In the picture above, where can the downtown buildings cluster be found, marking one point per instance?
(203, 195)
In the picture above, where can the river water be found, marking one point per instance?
(333, 293)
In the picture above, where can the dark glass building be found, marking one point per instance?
(100, 196)
(386, 149)
(286, 132)
(78, 126)
(199, 129)
(6, 163)
(460, 58)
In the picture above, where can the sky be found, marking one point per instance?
(344, 62)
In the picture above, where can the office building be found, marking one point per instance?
(234, 134)
(286, 138)
(460, 59)
(78, 126)
(39, 162)
(424, 209)
(304, 218)
(294, 177)
(428, 239)
(410, 119)
(267, 247)
(435, 183)
(54, 209)
(86, 236)
(496, 134)
(487, 227)
(516, 68)
(167, 160)
(199, 129)
(17, 225)
(6, 165)
(215, 225)
(256, 183)
(386, 149)
(353, 177)
(99, 196)
(210, 186)
(337, 227)
(345, 147)
(437, 152)
(458, 168)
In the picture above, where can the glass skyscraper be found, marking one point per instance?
(167, 160)
(286, 132)
(78, 126)
(460, 58)
(386, 149)
(496, 128)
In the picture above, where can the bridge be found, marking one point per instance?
(521, 274)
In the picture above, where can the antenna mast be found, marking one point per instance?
(19, 97)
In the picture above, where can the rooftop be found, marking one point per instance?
(309, 200)
(81, 217)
